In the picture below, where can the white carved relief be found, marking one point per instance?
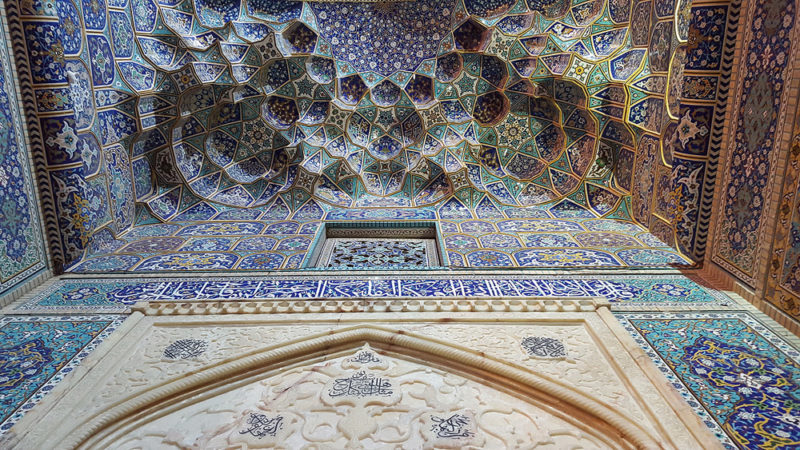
(365, 397)
(584, 368)
(391, 404)
(149, 367)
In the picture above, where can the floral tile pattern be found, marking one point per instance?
(222, 136)
(36, 352)
(505, 240)
(22, 253)
(783, 280)
(741, 230)
(741, 379)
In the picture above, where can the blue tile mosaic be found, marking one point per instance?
(740, 378)
(358, 111)
(118, 295)
(22, 252)
(36, 352)
(496, 242)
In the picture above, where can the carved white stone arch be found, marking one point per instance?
(172, 395)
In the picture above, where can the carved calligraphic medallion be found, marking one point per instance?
(260, 426)
(185, 349)
(544, 347)
(365, 357)
(361, 384)
(455, 429)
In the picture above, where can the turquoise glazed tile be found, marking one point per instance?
(741, 379)
(36, 352)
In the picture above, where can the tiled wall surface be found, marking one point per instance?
(756, 145)
(22, 248)
(698, 131)
(122, 115)
(783, 271)
(754, 237)
(556, 238)
(141, 112)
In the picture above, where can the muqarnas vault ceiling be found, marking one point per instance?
(185, 110)
(389, 103)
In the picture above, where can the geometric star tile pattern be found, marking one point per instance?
(220, 135)
(189, 109)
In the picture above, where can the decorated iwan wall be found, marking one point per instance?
(756, 145)
(70, 123)
(147, 111)
(22, 248)
(783, 272)
(755, 231)
(697, 133)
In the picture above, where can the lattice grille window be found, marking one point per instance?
(385, 247)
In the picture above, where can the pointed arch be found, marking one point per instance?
(221, 377)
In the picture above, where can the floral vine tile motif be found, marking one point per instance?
(262, 261)
(762, 98)
(510, 238)
(22, 253)
(600, 239)
(153, 245)
(740, 378)
(36, 352)
(651, 257)
(564, 257)
(107, 263)
(208, 244)
(189, 261)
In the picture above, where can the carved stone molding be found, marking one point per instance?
(368, 305)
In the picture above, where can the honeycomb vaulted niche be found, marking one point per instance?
(390, 103)
(243, 110)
